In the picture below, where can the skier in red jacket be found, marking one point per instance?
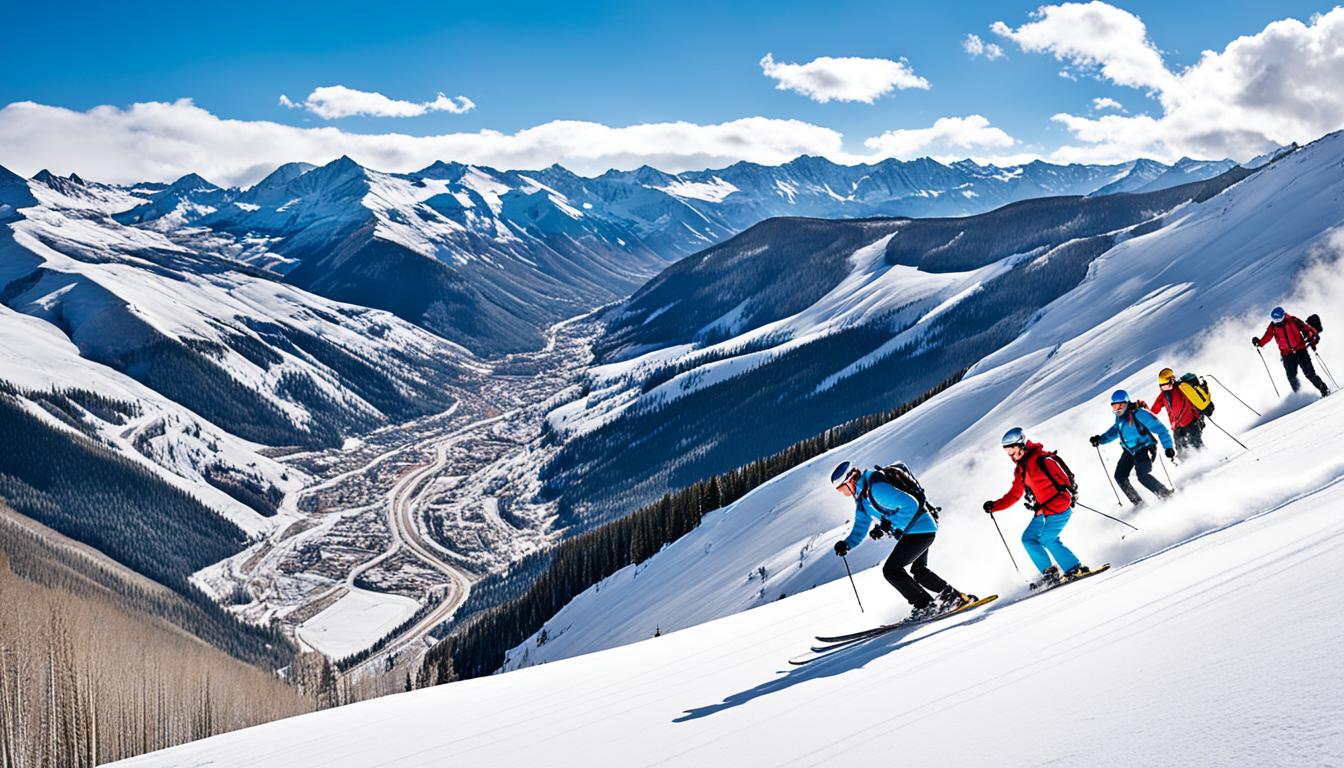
(1294, 337)
(1041, 476)
(1187, 424)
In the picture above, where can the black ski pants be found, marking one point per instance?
(1189, 438)
(913, 551)
(1141, 464)
(1302, 359)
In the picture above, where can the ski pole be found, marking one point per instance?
(1320, 360)
(851, 582)
(1104, 471)
(1234, 394)
(1163, 462)
(1267, 373)
(1006, 548)
(1103, 514)
(1225, 432)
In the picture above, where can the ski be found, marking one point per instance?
(903, 623)
(1093, 572)
(840, 641)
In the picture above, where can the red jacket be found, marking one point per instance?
(1051, 500)
(1292, 334)
(1180, 411)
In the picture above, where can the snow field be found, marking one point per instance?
(355, 622)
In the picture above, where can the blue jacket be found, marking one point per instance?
(1136, 427)
(891, 503)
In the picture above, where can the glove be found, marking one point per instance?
(1095, 440)
(989, 507)
(1143, 404)
(876, 533)
(841, 548)
(1255, 341)
(1171, 453)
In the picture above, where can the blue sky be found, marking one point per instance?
(617, 64)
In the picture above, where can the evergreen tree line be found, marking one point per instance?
(477, 648)
(249, 488)
(96, 496)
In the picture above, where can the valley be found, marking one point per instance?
(410, 515)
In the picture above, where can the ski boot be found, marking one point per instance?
(1050, 577)
(950, 599)
(927, 612)
(1076, 572)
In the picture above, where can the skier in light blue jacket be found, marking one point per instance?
(1138, 431)
(912, 525)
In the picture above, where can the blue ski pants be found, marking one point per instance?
(1042, 540)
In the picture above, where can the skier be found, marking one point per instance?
(1136, 428)
(1187, 423)
(1294, 338)
(898, 514)
(1047, 484)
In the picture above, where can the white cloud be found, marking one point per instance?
(1280, 85)
(948, 136)
(1103, 103)
(842, 79)
(1093, 36)
(333, 101)
(160, 141)
(974, 46)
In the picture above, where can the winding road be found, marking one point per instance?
(401, 520)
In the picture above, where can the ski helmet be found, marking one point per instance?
(1119, 396)
(1166, 376)
(1277, 315)
(1014, 436)
(840, 472)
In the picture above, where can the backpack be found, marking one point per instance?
(1072, 487)
(899, 476)
(1196, 390)
(1315, 322)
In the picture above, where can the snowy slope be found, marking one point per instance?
(213, 353)
(1217, 650)
(38, 357)
(1149, 302)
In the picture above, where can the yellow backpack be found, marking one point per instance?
(1194, 388)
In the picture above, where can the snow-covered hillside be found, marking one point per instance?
(1186, 296)
(220, 360)
(1213, 641)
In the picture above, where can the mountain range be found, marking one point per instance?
(488, 258)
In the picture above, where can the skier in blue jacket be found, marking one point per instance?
(1138, 431)
(899, 514)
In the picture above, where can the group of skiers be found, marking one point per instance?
(889, 501)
